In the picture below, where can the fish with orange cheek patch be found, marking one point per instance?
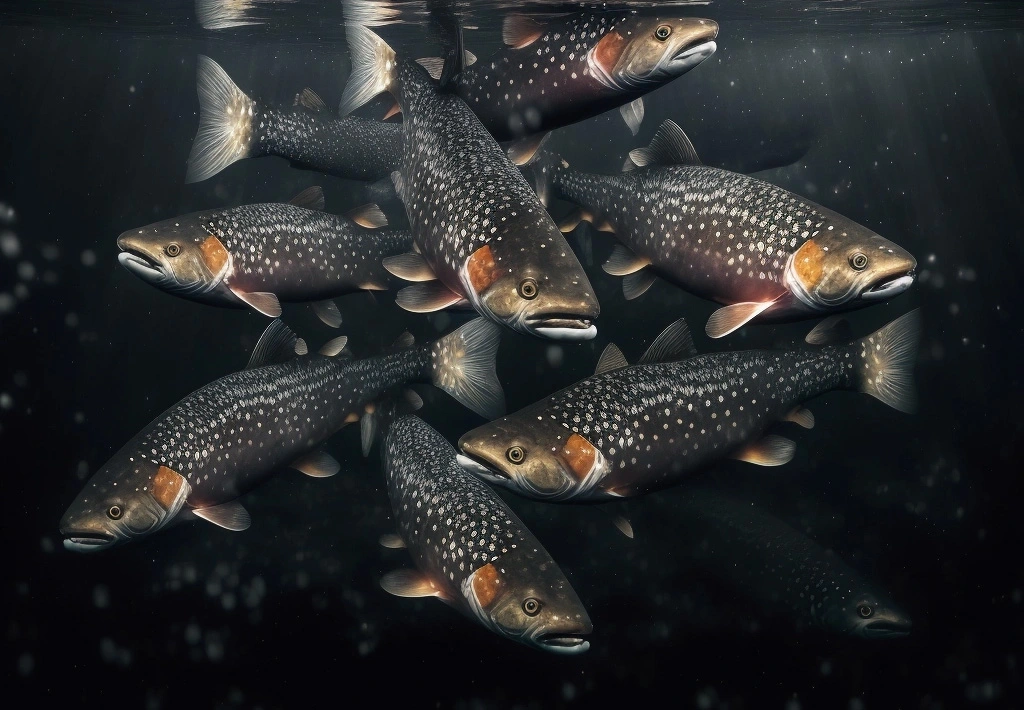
(554, 71)
(223, 440)
(470, 549)
(482, 237)
(628, 430)
(256, 256)
(765, 253)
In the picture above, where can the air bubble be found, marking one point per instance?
(9, 244)
(88, 257)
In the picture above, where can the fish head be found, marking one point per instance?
(121, 502)
(533, 455)
(644, 52)
(868, 614)
(524, 596)
(536, 291)
(177, 255)
(847, 266)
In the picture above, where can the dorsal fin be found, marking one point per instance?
(518, 31)
(674, 343)
(611, 359)
(309, 99)
(276, 345)
(670, 146)
(312, 198)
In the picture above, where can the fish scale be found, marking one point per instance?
(229, 436)
(675, 418)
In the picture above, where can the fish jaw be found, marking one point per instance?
(561, 328)
(565, 644)
(691, 57)
(141, 265)
(81, 541)
(889, 288)
(886, 626)
(480, 471)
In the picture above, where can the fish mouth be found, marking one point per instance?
(478, 469)
(690, 56)
(77, 541)
(562, 326)
(562, 643)
(886, 629)
(139, 264)
(889, 287)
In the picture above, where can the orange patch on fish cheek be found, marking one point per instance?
(808, 263)
(486, 584)
(608, 51)
(167, 484)
(482, 269)
(214, 254)
(579, 456)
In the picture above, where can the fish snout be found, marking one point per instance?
(82, 535)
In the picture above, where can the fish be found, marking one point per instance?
(470, 549)
(764, 252)
(781, 571)
(198, 457)
(233, 126)
(555, 71)
(225, 14)
(255, 256)
(629, 430)
(482, 237)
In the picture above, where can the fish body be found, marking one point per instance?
(258, 255)
(554, 71)
(635, 429)
(482, 235)
(471, 550)
(233, 126)
(226, 438)
(782, 571)
(764, 252)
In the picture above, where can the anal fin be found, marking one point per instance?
(230, 515)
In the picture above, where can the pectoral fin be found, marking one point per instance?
(772, 450)
(426, 297)
(318, 464)
(519, 31)
(230, 515)
(726, 320)
(327, 311)
(408, 583)
(265, 303)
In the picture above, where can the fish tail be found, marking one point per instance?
(225, 123)
(223, 14)
(462, 363)
(886, 362)
(373, 68)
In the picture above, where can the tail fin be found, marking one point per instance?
(887, 359)
(222, 14)
(373, 68)
(463, 366)
(225, 123)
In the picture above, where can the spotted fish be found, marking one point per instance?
(764, 252)
(782, 571)
(233, 126)
(483, 237)
(471, 550)
(554, 71)
(629, 430)
(259, 255)
(223, 440)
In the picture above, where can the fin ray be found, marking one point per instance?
(327, 311)
(729, 318)
(230, 516)
(674, 343)
(225, 123)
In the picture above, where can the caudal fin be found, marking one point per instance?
(886, 364)
(225, 123)
(373, 68)
(463, 366)
(222, 14)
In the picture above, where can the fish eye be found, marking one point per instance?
(859, 261)
(172, 249)
(528, 289)
(531, 607)
(663, 32)
(865, 611)
(515, 454)
(114, 512)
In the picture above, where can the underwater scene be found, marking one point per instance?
(487, 354)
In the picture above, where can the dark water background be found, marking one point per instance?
(906, 117)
